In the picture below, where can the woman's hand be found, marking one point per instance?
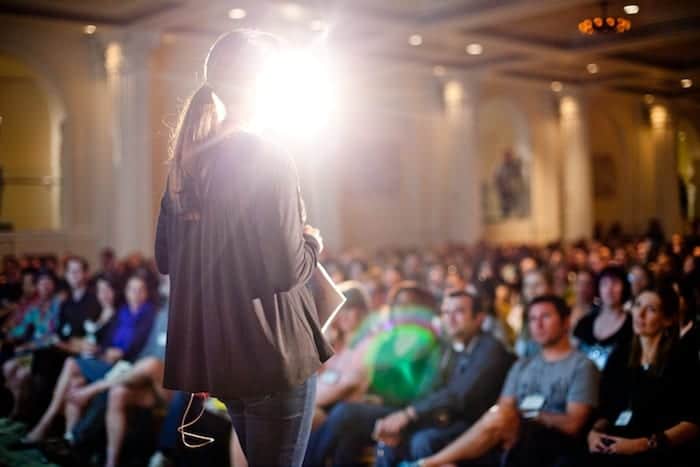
(606, 444)
(595, 442)
(627, 446)
(113, 355)
(388, 429)
(316, 234)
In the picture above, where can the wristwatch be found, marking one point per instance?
(657, 441)
(652, 442)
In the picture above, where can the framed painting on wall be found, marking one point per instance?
(604, 175)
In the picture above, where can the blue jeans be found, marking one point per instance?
(418, 444)
(345, 433)
(274, 429)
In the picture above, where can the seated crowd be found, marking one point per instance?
(558, 355)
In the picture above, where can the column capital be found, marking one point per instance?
(127, 50)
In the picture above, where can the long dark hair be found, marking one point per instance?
(670, 307)
(242, 51)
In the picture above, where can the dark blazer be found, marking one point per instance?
(242, 321)
(471, 384)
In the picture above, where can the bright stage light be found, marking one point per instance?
(294, 95)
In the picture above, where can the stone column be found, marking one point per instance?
(575, 174)
(128, 75)
(465, 220)
(665, 183)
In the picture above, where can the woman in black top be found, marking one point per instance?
(606, 326)
(242, 323)
(649, 392)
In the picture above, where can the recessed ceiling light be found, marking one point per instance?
(439, 70)
(475, 49)
(237, 13)
(631, 9)
(292, 11)
(686, 83)
(649, 99)
(317, 25)
(557, 86)
(592, 68)
(415, 40)
(90, 29)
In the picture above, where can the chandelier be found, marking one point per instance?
(604, 24)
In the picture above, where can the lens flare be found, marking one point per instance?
(294, 95)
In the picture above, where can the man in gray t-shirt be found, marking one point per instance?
(571, 379)
(545, 403)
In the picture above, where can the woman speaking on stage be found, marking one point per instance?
(231, 235)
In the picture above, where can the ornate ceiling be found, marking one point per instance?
(528, 39)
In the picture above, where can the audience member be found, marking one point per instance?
(124, 339)
(33, 332)
(536, 282)
(607, 325)
(346, 429)
(649, 412)
(344, 376)
(417, 398)
(545, 404)
(584, 295)
(474, 365)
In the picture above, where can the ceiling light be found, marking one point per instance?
(415, 40)
(557, 86)
(592, 68)
(317, 25)
(658, 116)
(90, 29)
(292, 11)
(604, 24)
(237, 13)
(631, 9)
(648, 99)
(686, 83)
(475, 49)
(439, 70)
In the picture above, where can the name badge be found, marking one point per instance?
(532, 403)
(624, 418)
(330, 377)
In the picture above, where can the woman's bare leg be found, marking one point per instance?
(120, 399)
(66, 381)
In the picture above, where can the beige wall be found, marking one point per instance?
(25, 149)
(391, 113)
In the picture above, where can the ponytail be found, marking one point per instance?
(199, 121)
